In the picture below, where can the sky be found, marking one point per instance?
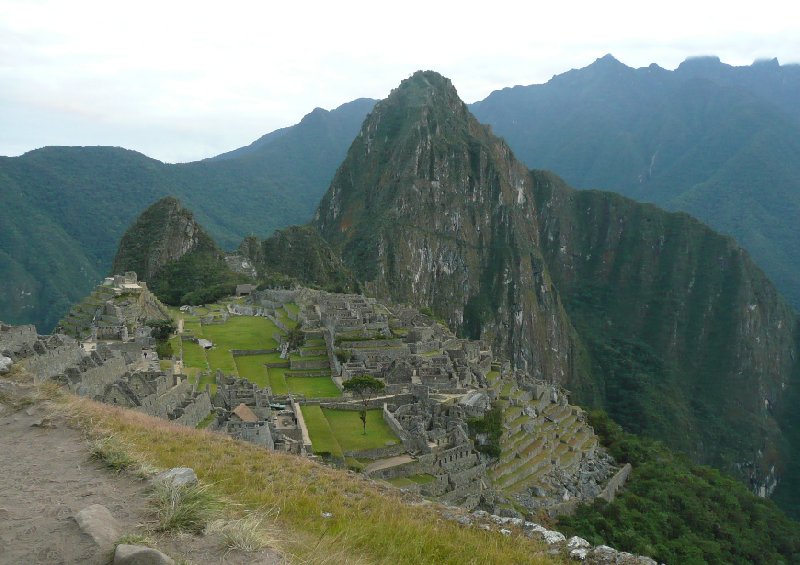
(181, 81)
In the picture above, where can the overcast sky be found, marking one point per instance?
(181, 81)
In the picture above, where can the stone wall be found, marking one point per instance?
(196, 411)
(160, 405)
(378, 452)
(616, 483)
(13, 338)
(53, 362)
(94, 380)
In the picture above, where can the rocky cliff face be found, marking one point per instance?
(668, 325)
(163, 233)
(430, 208)
(689, 340)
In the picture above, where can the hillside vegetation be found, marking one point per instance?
(679, 512)
(719, 142)
(64, 209)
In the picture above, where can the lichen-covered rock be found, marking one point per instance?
(97, 522)
(178, 476)
(140, 555)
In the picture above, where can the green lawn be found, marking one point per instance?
(252, 368)
(313, 387)
(221, 358)
(346, 425)
(242, 332)
(283, 316)
(292, 308)
(194, 355)
(322, 437)
(420, 479)
(277, 380)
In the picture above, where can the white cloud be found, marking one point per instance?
(185, 80)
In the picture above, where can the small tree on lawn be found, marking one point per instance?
(365, 387)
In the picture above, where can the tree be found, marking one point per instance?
(296, 338)
(365, 387)
(162, 329)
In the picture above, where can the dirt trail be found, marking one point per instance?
(47, 476)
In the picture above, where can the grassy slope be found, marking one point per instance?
(370, 524)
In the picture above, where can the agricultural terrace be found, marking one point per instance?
(245, 333)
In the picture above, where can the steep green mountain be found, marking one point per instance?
(64, 209)
(299, 253)
(667, 324)
(164, 232)
(719, 142)
(678, 512)
(169, 250)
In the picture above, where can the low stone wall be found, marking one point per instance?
(246, 352)
(12, 338)
(160, 405)
(53, 362)
(309, 363)
(378, 452)
(615, 483)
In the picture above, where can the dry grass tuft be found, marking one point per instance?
(185, 508)
(251, 533)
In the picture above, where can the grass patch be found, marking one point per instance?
(346, 426)
(206, 421)
(277, 380)
(367, 523)
(247, 534)
(313, 387)
(243, 332)
(322, 437)
(252, 368)
(112, 453)
(194, 356)
(220, 358)
(186, 508)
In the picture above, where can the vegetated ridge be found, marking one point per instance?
(608, 297)
(65, 208)
(175, 254)
(717, 141)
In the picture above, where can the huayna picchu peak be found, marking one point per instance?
(665, 323)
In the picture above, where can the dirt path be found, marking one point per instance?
(46, 477)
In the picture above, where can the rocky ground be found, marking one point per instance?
(47, 478)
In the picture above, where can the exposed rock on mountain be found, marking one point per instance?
(165, 232)
(430, 208)
(678, 334)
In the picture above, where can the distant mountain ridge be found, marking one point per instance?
(64, 209)
(717, 141)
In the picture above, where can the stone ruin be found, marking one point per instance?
(435, 384)
(125, 374)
